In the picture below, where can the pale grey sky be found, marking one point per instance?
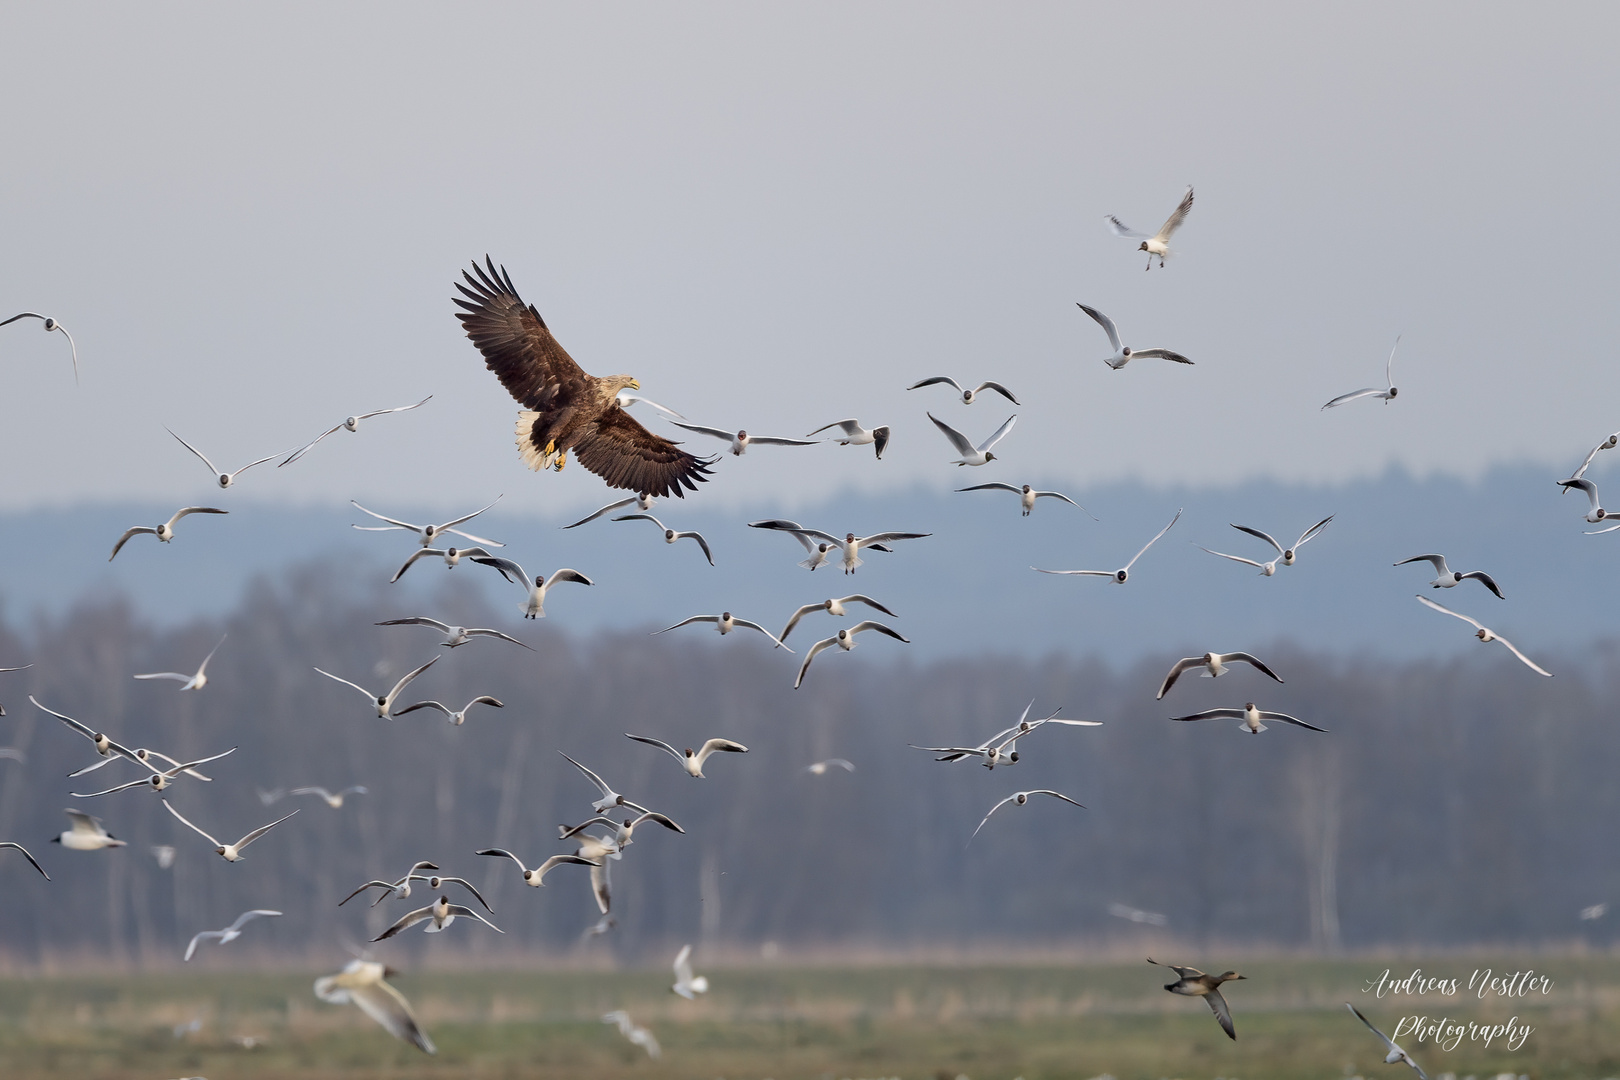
(777, 216)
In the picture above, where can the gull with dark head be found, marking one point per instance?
(1447, 578)
(1251, 717)
(221, 477)
(1214, 665)
(692, 760)
(1194, 983)
(1122, 354)
(819, 553)
(164, 532)
(228, 852)
(740, 440)
(845, 640)
(627, 400)
(352, 423)
(1159, 243)
(457, 717)
(1027, 496)
(536, 877)
(1606, 444)
(535, 608)
(195, 681)
(968, 453)
(231, 932)
(1486, 634)
(441, 912)
(1386, 395)
(610, 798)
(426, 534)
(1020, 798)
(1288, 554)
(1394, 1053)
(834, 606)
(1595, 513)
(1123, 574)
(849, 545)
(670, 535)
(623, 832)
(725, 622)
(856, 435)
(969, 396)
(402, 887)
(454, 636)
(51, 324)
(1002, 747)
(86, 834)
(451, 556)
(643, 503)
(384, 703)
(159, 779)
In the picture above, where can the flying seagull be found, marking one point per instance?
(1447, 578)
(845, 640)
(457, 717)
(159, 779)
(1159, 243)
(402, 887)
(821, 768)
(231, 932)
(610, 798)
(642, 503)
(51, 324)
(454, 636)
(1395, 1053)
(968, 396)
(452, 557)
(627, 400)
(1595, 513)
(856, 435)
(442, 913)
(1486, 634)
(1606, 444)
(564, 408)
(1002, 747)
(970, 454)
(364, 983)
(1123, 574)
(86, 834)
(1019, 798)
(353, 424)
(1194, 983)
(834, 606)
(1027, 496)
(223, 478)
(1267, 569)
(686, 985)
(820, 553)
(384, 702)
(849, 545)
(1122, 354)
(535, 608)
(195, 681)
(229, 852)
(1251, 717)
(1387, 394)
(1289, 554)
(692, 760)
(334, 801)
(670, 535)
(164, 532)
(725, 622)
(426, 534)
(536, 877)
(1214, 665)
(741, 440)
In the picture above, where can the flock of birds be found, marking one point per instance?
(567, 410)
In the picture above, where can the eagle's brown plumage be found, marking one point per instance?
(566, 409)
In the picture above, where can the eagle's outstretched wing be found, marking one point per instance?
(516, 344)
(626, 455)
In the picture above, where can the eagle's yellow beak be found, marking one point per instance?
(635, 384)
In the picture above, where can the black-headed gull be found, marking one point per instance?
(970, 454)
(610, 798)
(1194, 983)
(740, 440)
(821, 768)
(402, 887)
(26, 855)
(106, 747)
(221, 477)
(819, 553)
(335, 801)
(969, 395)
(1026, 495)
(849, 545)
(1595, 513)
(231, 932)
(441, 912)
(1123, 574)
(1002, 747)
(454, 636)
(535, 608)
(845, 640)
(426, 534)
(457, 717)
(1484, 633)
(1393, 1052)
(1606, 444)
(1447, 578)
(51, 324)
(1289, 554)
(228, 852)
(383, 703)
(353, 424)
(363, 982)
(1387, 394)
(623, 831)
(164, 532)
(1214, 665)
(451, 556)
(642, 503)
(670, 535)
(833, 606)
(536, 877)
(1019, 798)
(159, 780)
(1159, 243)
(856, 435)
(86, 834)
(1123, 354)
(686, 984)
(692, 760)
(1251, 717)
(726, 622)
(195, 681)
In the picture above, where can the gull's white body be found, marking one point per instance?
(535, 608)
(968, 453)
(687, 985)
(195, 681)
(229, 852)
(692, 760)
(856, 435)
(1486, 634)
(351, 423)
(383, 703)
(1157, 245)
(363, 983)
(1214, 665)
(86, 834)
(845, 640)
(725, 622)
(740, 440)
(426, 534)
(1122, 353)
(1386, 395)
(164, 532)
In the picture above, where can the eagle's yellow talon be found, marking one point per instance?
(551, 447)
(561, 461)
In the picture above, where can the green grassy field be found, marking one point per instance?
(985, 1022)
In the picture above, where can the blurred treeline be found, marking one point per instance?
(1453, 803)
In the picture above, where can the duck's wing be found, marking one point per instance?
(1222, 1011)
